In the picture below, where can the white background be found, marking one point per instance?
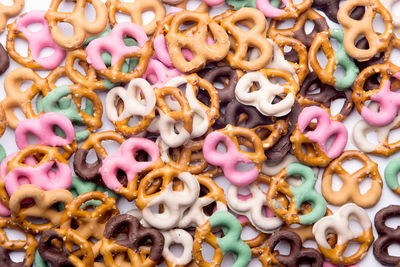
(388, 197)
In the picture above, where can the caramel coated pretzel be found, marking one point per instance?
(90, 171)
(195, 39)
(135, 10)
(67, 238)
(244, 40)
(354, 28)
(82, 27)
(3, 120)
(350, 191)
(203, 7)
(16, 98)
(7, 245)
(298, 30)
(7, 12)
(339, 224)
(40, 208)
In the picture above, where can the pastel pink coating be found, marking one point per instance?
(389, 104)
(213, 2)
(228, 160)
(43, 128)
(124, 159)
(114, 44)
(268, 10)
(330, 264)
(324, 130)
(41, 176)
(40, 40)
(158, 74)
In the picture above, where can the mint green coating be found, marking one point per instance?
(126, 67)
(60, 100)
(231, 242)
(2, 153)
(344, 60)
(275, 3)
(39, 261)
(307, 193)
(238, 4)
(391, 172)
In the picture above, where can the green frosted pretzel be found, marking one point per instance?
(344, 60)
(3, 154)
(238, 4)
(59, 100)
(231, 242)
(391, 172)
(307, 193)
(126, 67)
(39, 261)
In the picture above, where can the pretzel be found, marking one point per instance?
(7, 12)
(298, 30)
(251, 206)
(124, 159)
(387, 235)
(114, 44)
(135, 10)
(391, 172)
(331, 8)
(16, 98)
(183, 4)
(90, 171)
(361, 130)
(67, 100)
(234, 155)
(395, 18)
(339, 224)
(182, 237)
(133, 105)
(298, 57)
(82, 27)
(298, 254)
(354, 28)
(4, 60)
(290, 10)
(63, 254)
(231, 242)
(305, 192)
(204, 116)
(262, 99)
(170, 116)
(195, 40)
(325, 97)
(37, 42)
(336, 58)
(254, 37)
(40, 207)
(129, 246)
(347, 192)
(28, 244)
(324, 129)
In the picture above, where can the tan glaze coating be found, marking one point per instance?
(7, 12)
(195, 39)
(350, 191)
(40, 208)
(293, 11)
(135, 10)
(82, 27)
(242, 41)
(355, 28)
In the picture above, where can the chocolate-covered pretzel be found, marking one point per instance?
(298, 253)
(57, 257)
(325, 97)
(387, 236)
(331, 8)
(4, 60)
(228, 77)
(135, 235)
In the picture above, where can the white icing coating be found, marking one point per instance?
(195, 215)
(178, 236)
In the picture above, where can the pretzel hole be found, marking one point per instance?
(79, 68)
(142, 156)
(358, 39)
(122, 17)
(393, 222)
(210, 208)
(352, 165)
(309, 26)
(33, 139)
(122, 177)
(255, 262)
(66, 6)
(193, 4)
(322, 59)
(330, 141)
(204, 97)
(148, 17)
(228, 260)
(310, 244)
(351, 249)
(16, 256)
(283, 247)
(393, 249)
(339, 72)
(207, 251)
(336, 106)
(7, 2)
(14, 234)
(66, 28)
(90, 12)
(394, 136)
(35, 27)
(286, 24)
(378, 23)
(365, 185)
(37, 220)
(186, 25)
(337, 183)
(176, 249)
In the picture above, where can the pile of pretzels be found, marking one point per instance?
(218, 122)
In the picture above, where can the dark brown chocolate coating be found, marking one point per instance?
(298, 254)
(331, 8)
(56, 257)
(87, 171)
(5, 259)
(254, 117)
(136, 235)
(227, 76)
(387, 236)
(320, 25)
(4, 60)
